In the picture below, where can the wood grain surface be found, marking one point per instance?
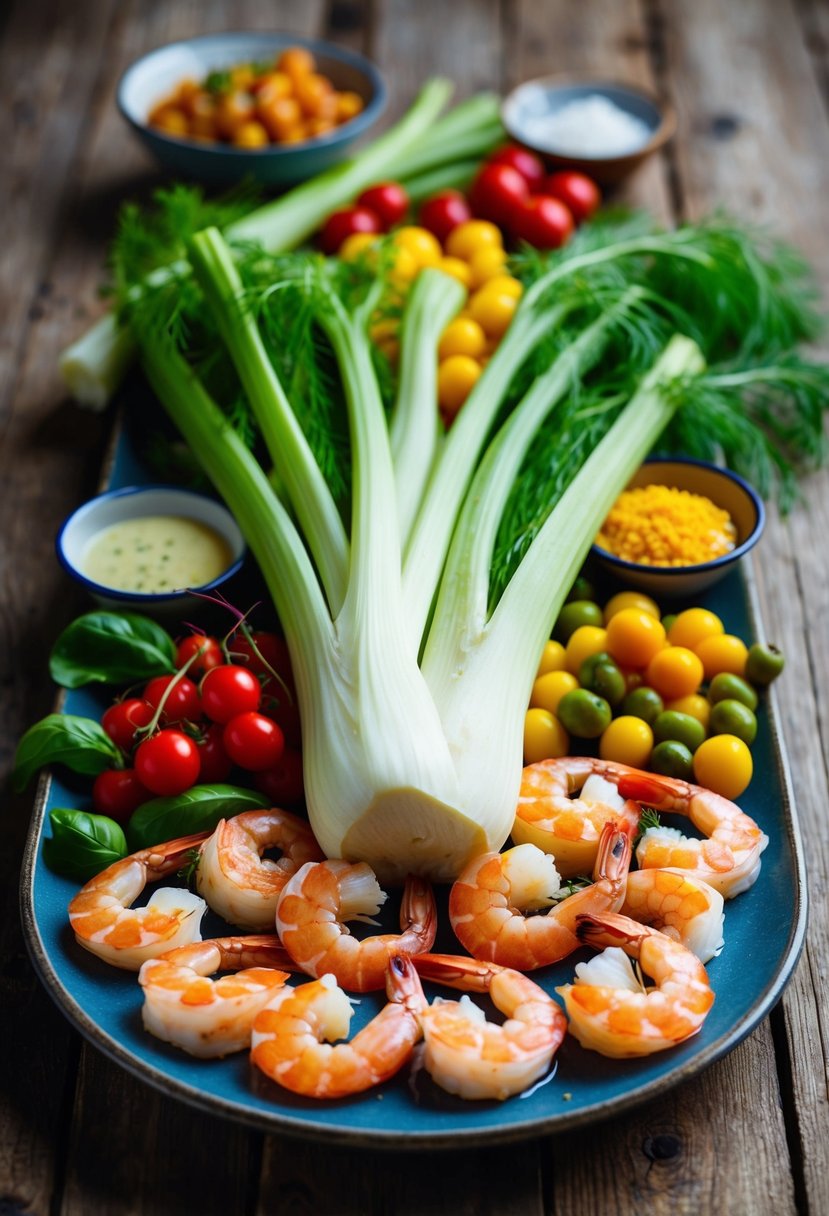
(750, 83)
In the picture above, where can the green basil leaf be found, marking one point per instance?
(111, 648)
(198, 809)
(81, 844)
(79, 743)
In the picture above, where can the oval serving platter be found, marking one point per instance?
(409, 1111)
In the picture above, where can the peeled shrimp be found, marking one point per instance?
(208, 1017)
(729, 859)
(469, 1056)
(681, 905)
(487, 902)
(321, 896)
(239, 883)
(105, 924)
(610, 1011)
(570, 827)
(293, 1039)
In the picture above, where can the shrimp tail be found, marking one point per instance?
(609, 929)
(645, 788)
(457, 971)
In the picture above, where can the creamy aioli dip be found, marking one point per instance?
(155, 554)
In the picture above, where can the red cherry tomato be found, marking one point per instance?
(523, 161)
(272, 648)
(167, 763)
(341, 224)
(577, 191)
(443, 212)
(117, 792)
(124, 719)
(210, 656)
(388, 200)
(183, 702)
(497, 193)
(229, 690)
(214, 762)
(284, 782)
(543, 222)
(253, 741)
(285, 712)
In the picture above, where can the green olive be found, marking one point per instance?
(727, 687)
(764, 664)
(733, 718)
(679, 728)
(644, 703)
(575, 614)
(584, 714)
(668, 620)
(582, 589)
(672, 759)
(599, 674)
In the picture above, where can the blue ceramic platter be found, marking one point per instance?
(408, 1112)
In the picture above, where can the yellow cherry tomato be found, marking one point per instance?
(723, 764)
(674, 671)
(584, 641)
(493, 310)
(550, 688)
(457, 376)
(504, 283)
(634, 637)
(420, 243)
(544, 737)
(355, 246)
(486, 263)
(457, 269)
(722, 652)
(466, 239)
(695, 706)
(629, 599)
(693, 626)
(251, 135)
(627, 740)
(552, 658)
(463, 336)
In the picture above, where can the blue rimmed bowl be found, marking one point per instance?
(154, 76)
(724, 488)
(136, 502)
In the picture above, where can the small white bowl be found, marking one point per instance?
(547, 95)
(134, 502)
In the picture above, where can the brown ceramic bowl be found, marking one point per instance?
(525, 108)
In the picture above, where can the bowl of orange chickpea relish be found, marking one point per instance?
(680, 526)
(276, 108)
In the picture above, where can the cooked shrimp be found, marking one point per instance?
(680, 905)
(294, 1036)
(208, 1017)
(321, 896)
(610, 1011)
(469, 1056)
(234, 877)
(568, 827)
(105, 924)
(729, 859)
(487, 902)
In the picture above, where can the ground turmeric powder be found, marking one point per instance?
(660, 525)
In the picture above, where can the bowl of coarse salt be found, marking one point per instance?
(604, 130)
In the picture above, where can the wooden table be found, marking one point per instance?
(750, 81)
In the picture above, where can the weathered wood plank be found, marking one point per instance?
(754, 138)
(603, 40)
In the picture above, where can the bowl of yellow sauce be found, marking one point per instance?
(150, 547)
(679, 527)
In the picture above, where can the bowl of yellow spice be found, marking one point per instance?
(680, 526)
